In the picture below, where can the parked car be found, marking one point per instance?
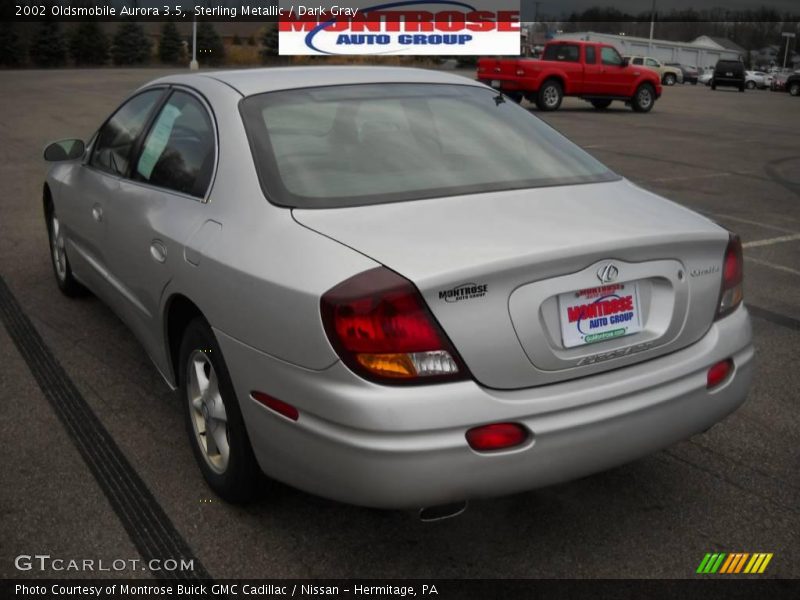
(757, 79)
(668, 75)
(728, 73)
(393, 287)
(690, 73)
(592, 71)
(706, 77)
(792, 84)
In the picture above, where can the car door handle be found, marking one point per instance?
(97, 213)
(158, 251)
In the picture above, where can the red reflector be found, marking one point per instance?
(719, 373)
(496, 436)
(279, 406)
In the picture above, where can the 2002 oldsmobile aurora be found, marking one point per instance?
(394, 287)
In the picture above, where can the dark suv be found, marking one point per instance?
(728, 73)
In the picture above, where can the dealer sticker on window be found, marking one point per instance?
(599, 314)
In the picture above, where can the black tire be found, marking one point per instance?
(741, 88)
(238, 480)
(713, 87)
(601, 104)
(643, 98)
(751, 85)
(67, 284)
(670, 79)
(550, 95)
(794, 88)
(694, 82)
(515, 96)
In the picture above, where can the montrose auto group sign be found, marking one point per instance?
(400, 28)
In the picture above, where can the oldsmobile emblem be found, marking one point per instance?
(607, 273)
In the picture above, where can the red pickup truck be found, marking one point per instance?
(589, 70)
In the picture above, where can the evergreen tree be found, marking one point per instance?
(130, 46)
(12, 51)
(270, 42)
(49, 49)
(170, 46)
(209, 45)
(88, 44)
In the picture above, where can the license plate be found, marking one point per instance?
(728, 74)
(599, 314)
(496, 84)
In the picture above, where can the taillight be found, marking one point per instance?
(382, 329)
(497, 436)
(731, 292)
(719, 373)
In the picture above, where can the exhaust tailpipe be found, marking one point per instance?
(441, 512)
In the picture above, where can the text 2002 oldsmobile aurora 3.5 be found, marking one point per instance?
(394, 287)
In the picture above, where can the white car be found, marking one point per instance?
(706, 77)
(757, 79)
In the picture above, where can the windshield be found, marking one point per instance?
(369, 144)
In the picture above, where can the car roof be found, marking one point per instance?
(257, 81)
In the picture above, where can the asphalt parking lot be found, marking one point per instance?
(734, 157)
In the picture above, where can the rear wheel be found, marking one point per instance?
(741, 88)
(794, 88)
(644, 98)
(713, 87)
(670, 79)
(67, 283)
(550, 95)
(213, 420)
(601, 104)
(751, 85)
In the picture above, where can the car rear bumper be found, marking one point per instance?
(405, 447)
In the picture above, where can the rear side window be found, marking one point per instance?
(638, 61)
(562, 53)
(179, 151)
(591, 55)
(112, 150)
(610, 56)
(651, 63)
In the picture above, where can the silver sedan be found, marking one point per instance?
(395, 287)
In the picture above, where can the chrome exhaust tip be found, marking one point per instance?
(429, 514)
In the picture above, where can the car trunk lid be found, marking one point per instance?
(503, 273)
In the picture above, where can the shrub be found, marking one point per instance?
(12, 50)
(170, 45)
(130, 46)
(88, 44)
(270, 41)
(49, 49)
(209, 45)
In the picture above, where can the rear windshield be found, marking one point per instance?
(730, 65)
(369, 144)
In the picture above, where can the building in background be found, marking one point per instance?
(704, 52)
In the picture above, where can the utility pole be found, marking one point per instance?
(194, 65)
(788, 35)
(652, 25)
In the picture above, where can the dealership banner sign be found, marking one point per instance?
(400, 28)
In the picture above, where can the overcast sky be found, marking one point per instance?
(565, 7)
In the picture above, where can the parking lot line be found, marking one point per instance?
(770, 241)
(748, 221)
(771, 265)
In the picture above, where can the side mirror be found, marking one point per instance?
(64, 150)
